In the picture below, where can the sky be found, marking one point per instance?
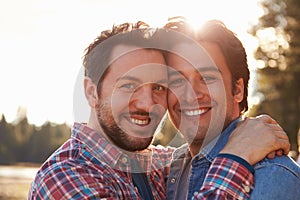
(42, 43)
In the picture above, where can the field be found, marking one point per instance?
(15, 181)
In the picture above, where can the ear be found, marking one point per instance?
(90, 91)
(239, 90)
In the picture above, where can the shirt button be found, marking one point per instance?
(246, 188)
(172, 180)
(200, 157)
(124, 160)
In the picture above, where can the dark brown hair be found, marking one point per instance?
(215, 31)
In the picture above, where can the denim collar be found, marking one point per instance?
(211, 150)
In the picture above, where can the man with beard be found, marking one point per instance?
(208, 90)
(111, 157)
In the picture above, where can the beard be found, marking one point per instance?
(116, 134)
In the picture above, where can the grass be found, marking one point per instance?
(15, 181)
(14, 190)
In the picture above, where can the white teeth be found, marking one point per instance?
(139, 122)
(194, 112)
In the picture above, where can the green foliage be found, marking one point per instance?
(23, 142)
(168, 135)
(6, 142)
(278, 82)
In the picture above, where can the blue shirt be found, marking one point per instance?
(278, 178)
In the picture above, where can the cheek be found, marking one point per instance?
(160, 100)
(218, 92)
(175, 116)
(171, 100)
(119, 102)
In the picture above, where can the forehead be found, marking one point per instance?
(146, 64)
(200, 55)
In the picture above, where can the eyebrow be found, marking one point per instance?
(202, 69)
(132, 78)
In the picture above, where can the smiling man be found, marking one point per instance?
(208, 83)
(125, 86)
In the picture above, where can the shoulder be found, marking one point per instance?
(64, 171)
(278, 172)
(284, 163)
(67, 178)
(277, 178)
(71, 166)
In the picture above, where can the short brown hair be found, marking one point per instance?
(232, 48)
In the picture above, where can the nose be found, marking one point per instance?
(143, 99)
(194, 90)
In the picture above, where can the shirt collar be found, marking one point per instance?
(105, 151)
(181, 152)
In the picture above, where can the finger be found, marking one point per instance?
(271, 155)
(281, 134)
(267, 119)
(284, 146)
(274, 127)
(279, 152)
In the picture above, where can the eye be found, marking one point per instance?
(159, 87)
(208, 78)
(177, 82)
(128, 86)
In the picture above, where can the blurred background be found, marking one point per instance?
(42, 43)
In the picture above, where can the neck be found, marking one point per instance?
(195, 147)
(93, 123)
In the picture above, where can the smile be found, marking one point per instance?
(139, 121)
(194, 112)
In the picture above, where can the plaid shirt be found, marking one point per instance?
(87, 166)
(226, 179)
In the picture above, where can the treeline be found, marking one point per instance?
(24, 142)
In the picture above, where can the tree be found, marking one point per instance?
(6, 142)
(278, 56)
(22, 133)
(45, 140)
(24, 142)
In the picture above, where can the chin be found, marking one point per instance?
(138, 144)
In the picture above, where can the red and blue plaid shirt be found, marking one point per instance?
(226, 179)
(87, 166)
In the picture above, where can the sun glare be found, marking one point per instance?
(43, 41)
